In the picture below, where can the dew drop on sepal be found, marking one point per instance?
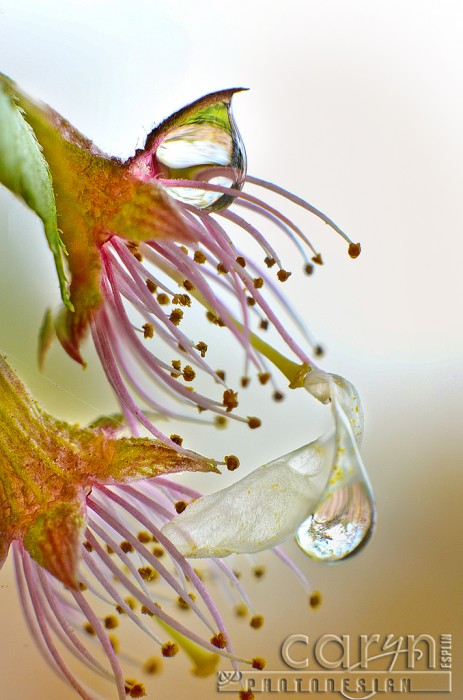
(203, 145)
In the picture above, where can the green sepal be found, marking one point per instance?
(25, 172)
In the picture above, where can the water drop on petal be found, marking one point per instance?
(202, 142)
(341, 525)
(343, 520)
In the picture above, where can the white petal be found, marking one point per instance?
(266, 507)
(260, 511)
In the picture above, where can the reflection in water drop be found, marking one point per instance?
(341, 525)
(205, 145)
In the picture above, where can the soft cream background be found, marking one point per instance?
(358, 106)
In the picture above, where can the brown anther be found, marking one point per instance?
(88, 546)
(180, 506)
(278, 396)
(181, 347)
(202, 348)
(111, 622)
(177, 365)
(134, 689)
(315, 600)
(259, 663)
(220, 373)
(256, 621)
(136, 253)
(169, 649)
(199, 574)
(220, 422)
(244, 381)
(163, 299)
(254, 422)
(89, 629)
(258, 282)
(126, 547)
(82, 586)
(115, 643)
(148, 573)
(131, 602)
(176, 438)
(241, 610)
(354, 250)
(199, 257)
(148, 330)
(221, 269)
(158, 551)
(214, 319)
(308, 269)
(250, 301)
(264, 377)
(230, 399)
(319, 350)
(237, 573)
(246, 695)
(152, 287)
(232, 462)
(152, 665)
(146, 611)
(259, 571)
(241, 261)
(317, 259)
(270, 262)
(182, 603)
(263, 324)
(120, 609)
(182, 299)
(219, 641)
(283, 275)
(109, 549)
(188, 373)
(184, 250)
(176, 316)
(189, 286)
(144, 537)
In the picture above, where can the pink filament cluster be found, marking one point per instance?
(56, 616)
(163, 263)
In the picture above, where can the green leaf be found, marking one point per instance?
(25, 172)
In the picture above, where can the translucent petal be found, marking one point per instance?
(259, 511)
(320, 493)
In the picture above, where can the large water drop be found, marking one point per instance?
(203, 145)
(342, 523)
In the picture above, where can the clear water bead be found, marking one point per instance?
(341, 525)
(204, 145)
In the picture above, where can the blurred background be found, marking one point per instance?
(358, 107)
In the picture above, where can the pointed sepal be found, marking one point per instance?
(54, 541)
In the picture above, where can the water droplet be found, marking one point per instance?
(202, 142)
(341, 525)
